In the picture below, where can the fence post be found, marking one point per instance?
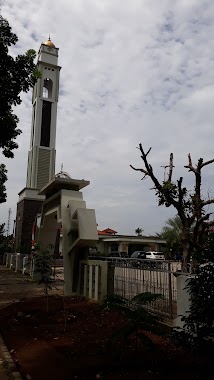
(110, 280)
(96, 283)
(107, 279)
(90, 291)
(170, 291)
(85, 285)
(183, 300)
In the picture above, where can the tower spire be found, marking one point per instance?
(41, 161)
(41, 156)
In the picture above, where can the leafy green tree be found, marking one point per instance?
(198, 331)
(139, 231)
(172, 233)
(17, 74)
(3, 179)
(43, 262)
(2, 239)
(191, 206)
(6, 242)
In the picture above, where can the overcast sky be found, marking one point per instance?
(132, 71)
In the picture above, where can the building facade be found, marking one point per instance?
(42, 153)
(110, 241)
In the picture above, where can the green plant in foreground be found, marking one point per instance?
(139, 319)
(198, 331)
(43, 261)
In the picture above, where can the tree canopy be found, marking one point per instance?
(6, 242)
(139, 231)
(190, 205)
(16, 75)
(3, 179)
(172, 233)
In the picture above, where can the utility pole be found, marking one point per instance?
(8, 221)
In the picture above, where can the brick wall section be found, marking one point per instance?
(27, 211)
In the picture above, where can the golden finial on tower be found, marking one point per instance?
(49, 42)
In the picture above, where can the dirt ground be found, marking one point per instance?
(69, 341)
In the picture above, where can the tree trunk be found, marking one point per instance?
(185, 256)
(186, 247)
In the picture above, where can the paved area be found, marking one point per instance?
(13, 288)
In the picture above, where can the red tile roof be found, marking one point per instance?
(107, 231)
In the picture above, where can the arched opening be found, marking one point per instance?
(47, 88)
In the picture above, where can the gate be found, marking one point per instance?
(134, 276)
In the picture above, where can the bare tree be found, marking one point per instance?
(190, 206)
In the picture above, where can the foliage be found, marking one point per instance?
(139, 231)
(2, 239)
(16, 75)
(3, 179)
(199, 323)
(43, 261)
(200, 320)
(172, 232)
(206, 254)
(137, 316)
(190, 205)
(6, 242)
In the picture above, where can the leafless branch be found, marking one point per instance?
(180, 193)
(170, 167)
(140, 170)
(148, 151)
(207, 163)
(189, 166)
(148, 171)
(207, 202)
(144, 177)
(190, 210)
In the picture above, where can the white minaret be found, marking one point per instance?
(41, 157)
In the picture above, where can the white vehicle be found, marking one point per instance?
(155, 255)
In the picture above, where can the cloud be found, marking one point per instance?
(137, 71)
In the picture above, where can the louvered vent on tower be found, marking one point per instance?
(29, 169)
(43, 168)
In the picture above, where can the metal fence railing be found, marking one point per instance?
(58, 270)
(135, 276)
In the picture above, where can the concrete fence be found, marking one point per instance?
(19, 262)
(7, 259)
(25, 263)
(96, 279)
(12, 261)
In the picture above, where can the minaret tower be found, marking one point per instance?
(41, 157)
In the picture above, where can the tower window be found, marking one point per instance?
(46, 124)
(47, 88)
